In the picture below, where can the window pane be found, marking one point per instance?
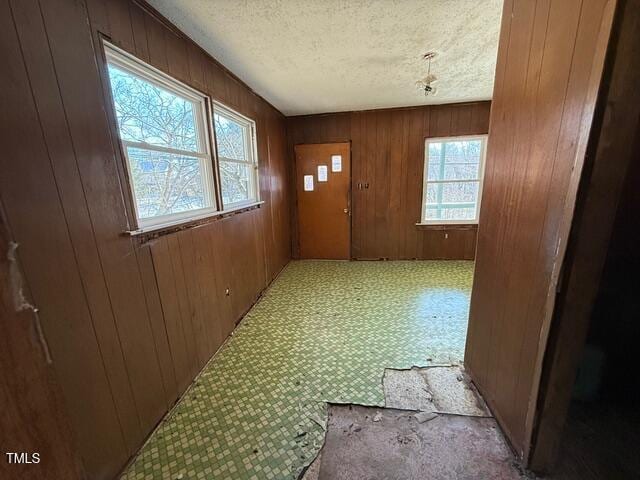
(446, 171)
(236, 182)
(150, 114)
(454, 167)
(456, 192)
(452, 201)
(445, 213)
(457, 160)
(435, 150)
(165, 183)
(230, 137)
(463, 151)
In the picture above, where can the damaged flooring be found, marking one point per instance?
(444, 389)
(365, 443)
(323, 333)
(434, 426)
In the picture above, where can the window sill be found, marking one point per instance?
(446, 226)
(241, 206)
(183, 224)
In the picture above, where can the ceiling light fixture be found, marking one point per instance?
(426, 84)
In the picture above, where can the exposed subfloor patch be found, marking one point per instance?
(444, 389)
(434, 425)
(313, 470)
(368, 443)
(324, 332)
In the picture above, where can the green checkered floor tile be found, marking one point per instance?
(324, 332)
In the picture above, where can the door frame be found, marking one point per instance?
(607, 162)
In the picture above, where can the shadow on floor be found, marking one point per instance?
(600, 442)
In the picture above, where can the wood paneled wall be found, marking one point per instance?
(387, 152)
(128, 321)
(597, 298)
(550, 62)
(33, 418)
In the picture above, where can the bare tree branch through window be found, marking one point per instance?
(160, 129)
(453, 179)
(235, 159)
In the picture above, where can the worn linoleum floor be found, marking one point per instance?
(323, 332)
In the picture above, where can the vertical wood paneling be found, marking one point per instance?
(120, 24)
(192, 287)
(370, 183)
(79, 82)
(187, 312)
(549, 65)
(140, 43)
(499, 102)
(206, 287)
(597, 298)
(520, 41)
(219, 240)
(129, 321)
(396, 158)
(414, 180)
(382, 212)
(387, 151)
(196, 66)
(539, 255)
(278, 194)
(357, 194)
(266, 221)
(166, 281)
(64, 163)
(33, 417)
(156, 42)
(177, 59)
(34, 212)
(158, 326)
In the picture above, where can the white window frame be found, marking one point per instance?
(127, 62)
(251, 149)
(426, 181)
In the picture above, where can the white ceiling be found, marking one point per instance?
(315, 56)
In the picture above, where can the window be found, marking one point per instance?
(236, 147)
(162, 126)
(453, 179)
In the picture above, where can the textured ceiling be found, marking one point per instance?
(314, 56)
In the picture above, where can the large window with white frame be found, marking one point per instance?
(162, 125)
(237, 157)
(453, 173)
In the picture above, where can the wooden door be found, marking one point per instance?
(323, 177)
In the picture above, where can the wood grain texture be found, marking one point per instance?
(548, 72)
(598, 284)
(129, 321)
(387, 153)
(33, 418)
